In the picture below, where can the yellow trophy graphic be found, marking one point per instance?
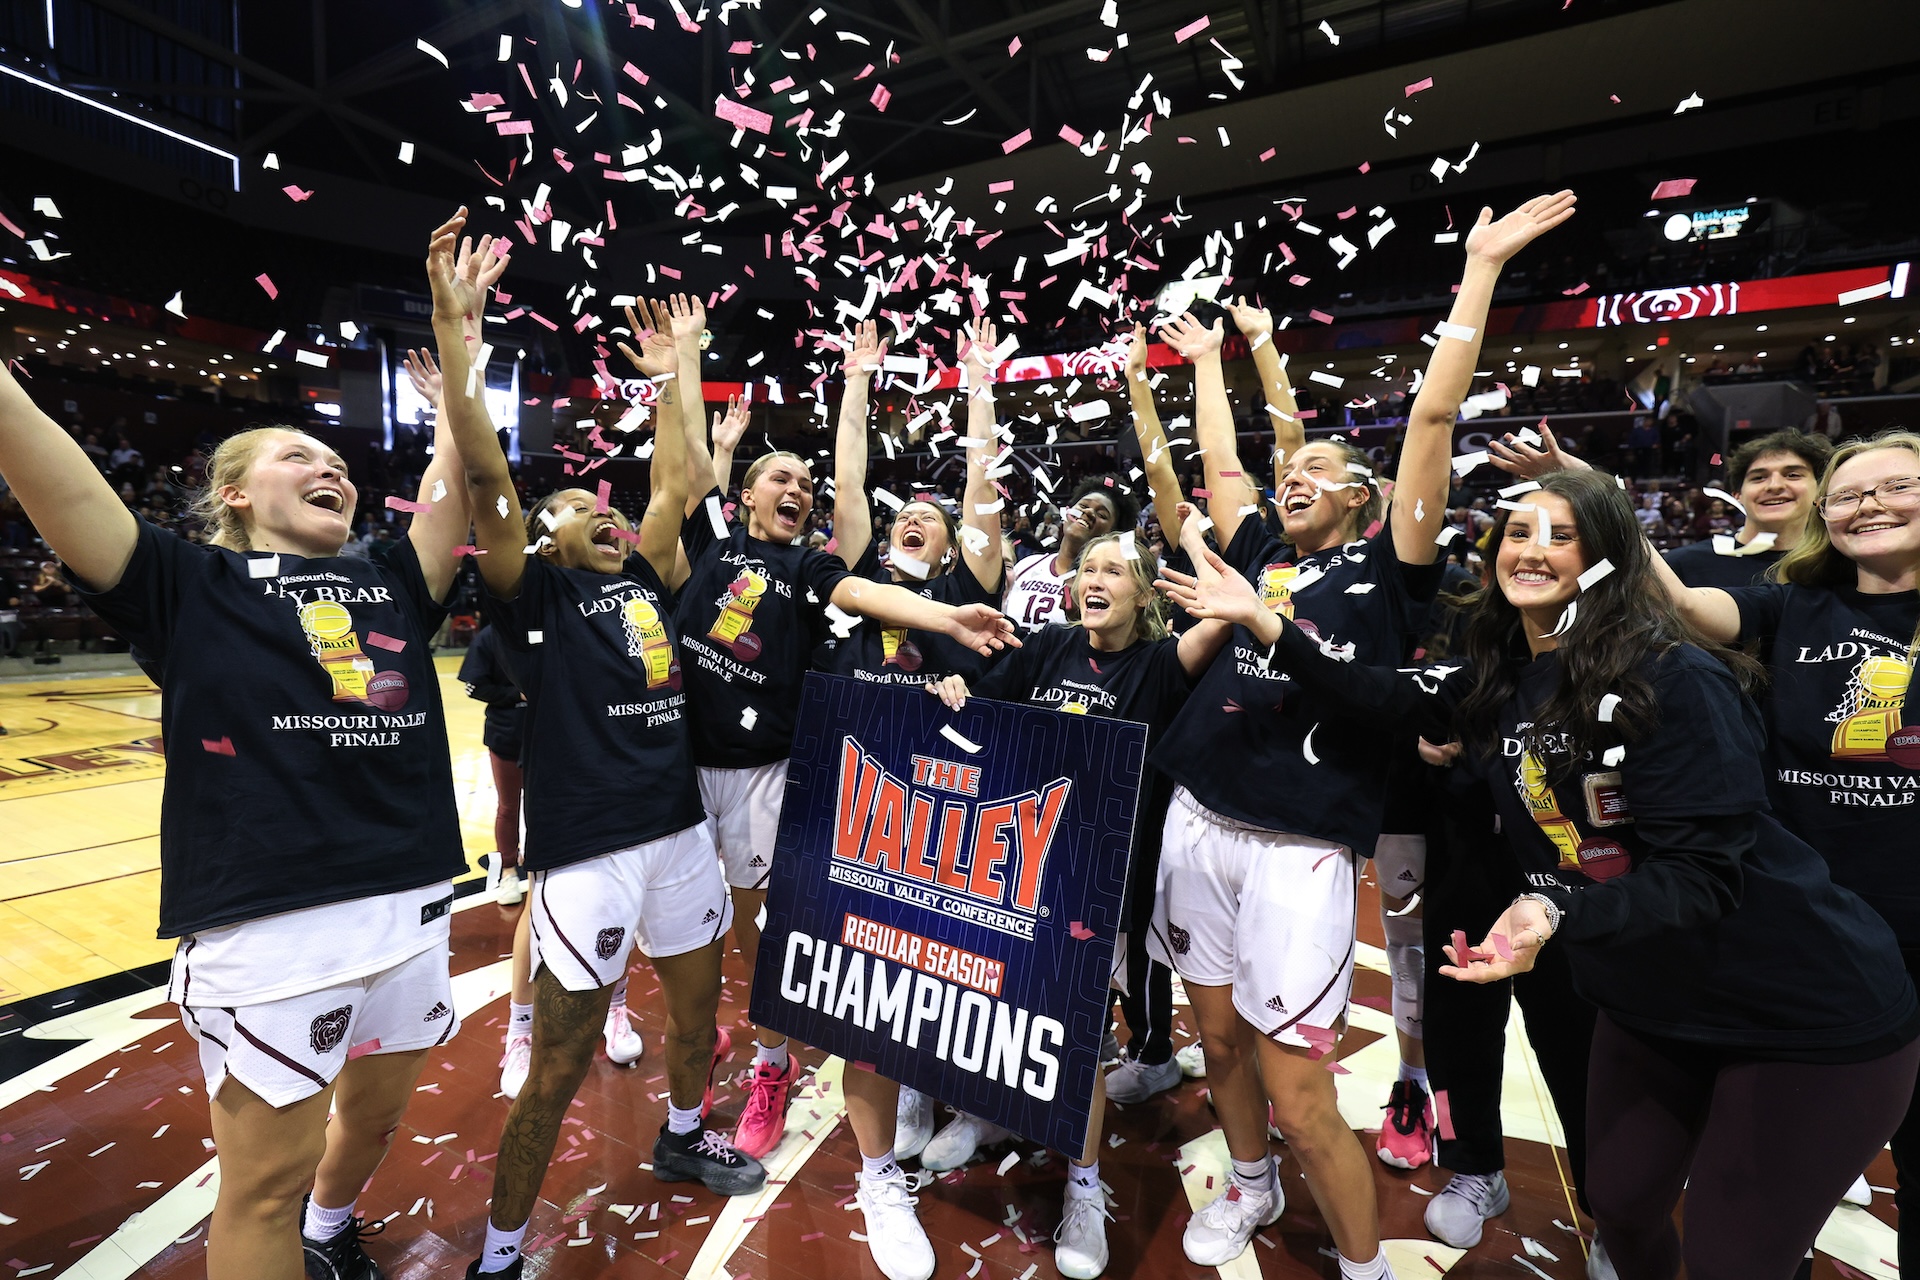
(898, 651)
(1274, 592)
(1871, 712)
(1546, 811)
(336, 646)
(647, 639)
(736, 617)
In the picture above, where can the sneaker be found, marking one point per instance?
(960, 1141)
(1135, 1081)
(1455, 1215)
(1406, 1139)
(1080, 1241)
(1193, 1061)
(624, 1044)
(722, 1047)
(511, 1273)
(514, 1067)
(764, 1121)
(704, 1156)
(1859, 1194)
(512, 889)
(1219, 1232)
(913, 1124)
(340, 1257)
(1599, 1265)
(895, 1237)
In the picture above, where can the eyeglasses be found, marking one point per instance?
(1897, 494)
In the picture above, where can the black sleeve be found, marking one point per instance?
(1689, 879)
(1420, 700)
(515, 618)
(1009, 678)
(697, 533)
(1252, 548)
(1761, 608)
(145, 604)
(400, 561)
(820, 573)
(1420, 582)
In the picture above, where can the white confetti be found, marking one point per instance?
(533, 637)
(718, 521)
(431, 52)
(1012, 1157)
(1515, 490)
(1465, 462)
(748, 718)
(954, 736)
(1360, 588)
(1725, 497)
(1689, 102)
(1608, 702)
(1306, 746)
(45, 205)
(264, 567)
(175, 305)
(1458, 332)
(1595, 573)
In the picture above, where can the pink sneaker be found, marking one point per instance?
(764, 1121)
(722, 1046)
(1406, 1137)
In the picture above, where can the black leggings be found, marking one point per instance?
(1148, 1003)
(1763, 1149)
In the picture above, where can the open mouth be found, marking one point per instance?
(1533, 578)
(604, 536)
(912, 540)
(1297, 502)
(1096, 602)
(1875, 526)
(788, 511)
(327, 499)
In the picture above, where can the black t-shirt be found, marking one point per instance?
(1698, 565)
(1255, 745)
(880, 654)
(750, 617)
(1840, 686)
(1058, 667)
(307, 753)
(488, 679)
(608, 755)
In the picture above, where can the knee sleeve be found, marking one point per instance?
(1400, 864)
(1406, 961)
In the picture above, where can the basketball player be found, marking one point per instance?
(1037, 586)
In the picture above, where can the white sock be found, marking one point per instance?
(878, 1168)
(1083, 1180)
(774, 1056)
(619, 995)
(1374, 1270)
(1416, 1074)
(1254, 1175)
(324, 1224)
(682, 1120)
(519, 1019)
(501, 1248)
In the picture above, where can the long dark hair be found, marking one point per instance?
(1622, 619)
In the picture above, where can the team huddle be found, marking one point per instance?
(1670, 799)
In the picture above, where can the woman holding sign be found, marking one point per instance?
(1734, 978)
(1117, 661)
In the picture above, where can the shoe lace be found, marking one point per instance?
(1075, 1213)
(716, 1147)
(348, 1239)
(888, 1193)
(1406, 1104)
(1475, 1188)
(762, 1091)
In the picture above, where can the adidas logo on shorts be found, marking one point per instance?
(1276, 1004)
(710, 917)
(1406, 873)
(438, 1012)
(756, 861)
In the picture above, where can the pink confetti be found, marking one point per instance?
(1321, 316)
(881, 97)
(740, 46)
(1016, 142)
(742, 116)
(407, 504)
(362, 1050)
(1443, 1114)
(509, 128)
(388, 643)
(1501, 947)
(1674, 187)
(295, 194)
(1080, 931)
(221, 747)
(1014, 47)
(638, 75)
(467, 551)
(265, 281)
(995, 188)
(603, 500)
(1267, 155)
(1191, 30)
(8, 223)
(1418, 85)
(1072, 135)
(1365, 165)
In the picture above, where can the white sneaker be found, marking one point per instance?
(895, 1237)
(1135, 1081)
(624, 1044)
(512, 889)
(1219, 1232)
(1859, 1194)
(1080, 1241)
(956, 1144)
(1192, 1060)
(1456, 1214)
(913, 1124)
(514, 1067)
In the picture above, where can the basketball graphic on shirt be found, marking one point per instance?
(1903, 747)
(1602, 859)
(734, 626)
(1274, 590)
(647, 640)
(898, 651)
(1869, 713)
(388, 690)
(336, 647)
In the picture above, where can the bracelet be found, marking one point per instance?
(1547, 905)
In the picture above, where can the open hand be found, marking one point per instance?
(454, 294)
(864, 356)
(1186, 335)
(728, 427)
(1530, 462)
(1136, 353)
(1511, 946)
(982, 628)
(424, 374)
(657, 356)
(1250, 319)
(976, 351)
(1215, 590)
(688, 318)
(1495, 242)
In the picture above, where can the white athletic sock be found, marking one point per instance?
(1254, 1175)
(501, 1248)
(1416, 1074)
(1083, 1180)
(324, 1224)
(519, 1019)
(876, 1168)
(681, 1120)
(1374, 1270)
(774, 1056)
(619, 995)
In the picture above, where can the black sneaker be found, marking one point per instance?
(708, 1158)
(341, 1258)
(511, 1273)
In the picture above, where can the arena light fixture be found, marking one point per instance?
(128, 116)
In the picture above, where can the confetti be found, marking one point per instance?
(1016, 142)
(1674, 187)
(397, 503)
(265, 281)
(959, 740)
(388, 643)
(742, 116)
(431, 52)
(1419, 85)
(1080, 931)
(1191, 30)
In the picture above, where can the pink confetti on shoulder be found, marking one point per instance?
(1418, 85)
(388, 643)
(265, 281)
(1673, 187)
(1191, 30)
(295, 194)
(741, 116)
(1016, 142)
(407, 504)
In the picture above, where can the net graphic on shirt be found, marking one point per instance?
(1869, 710)
(647, 638)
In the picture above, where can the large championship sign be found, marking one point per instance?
(943, 905)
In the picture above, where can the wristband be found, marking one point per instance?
(1547, 905)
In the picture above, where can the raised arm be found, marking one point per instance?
(658, 358)
(64, 495)
(1256, 325)
(977, 626)
(852, 519)
(980, 528)
(1213, 423)
(1201, 643)
(499, 525)
(1420, 490)
(728, 428)
(1163, 483)
(687, 320)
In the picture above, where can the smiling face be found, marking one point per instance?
(1317, 516)
(1876, 531)
(920, 531)
(583, 538)
(294, 496)
(1537, 579)
(1110, 596)
(779, 498)
(1089, 518)
(1778, 492)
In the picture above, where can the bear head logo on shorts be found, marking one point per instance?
(330, 1028)
(608, 942)
(1179, 939)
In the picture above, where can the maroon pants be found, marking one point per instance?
(507, 781)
